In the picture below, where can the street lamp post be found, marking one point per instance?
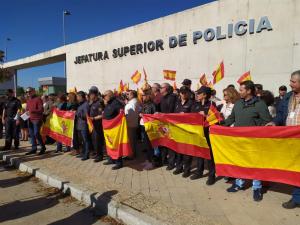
(6, 51)
(65, 13)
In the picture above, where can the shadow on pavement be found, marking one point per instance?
(14, 181)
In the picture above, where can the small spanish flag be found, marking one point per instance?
(244, 77)
(121, 87)
(136, 77)
(90, 124)
(116, 137)
(203, 80)
(126, 87)
(219, 73)
(169, 74)
(213, 116)
(262, 153)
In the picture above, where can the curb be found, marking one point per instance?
(102, 203)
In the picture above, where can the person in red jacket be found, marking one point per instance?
(35, 110)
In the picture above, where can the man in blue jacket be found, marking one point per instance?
(288, 114)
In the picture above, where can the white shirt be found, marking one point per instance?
(132, 113)
(227, 109)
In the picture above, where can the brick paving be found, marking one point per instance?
(167, 197)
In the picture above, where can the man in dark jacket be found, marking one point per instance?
(35, 109)
(112, 110)
(282, 93)
(288, 114)
(81, 124)
(11, 119)
(167, 105)
(248, 111)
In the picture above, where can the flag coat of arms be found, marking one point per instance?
(60, 126)
(261, 153)
(183, 133)
(116, 137)
(169, 75)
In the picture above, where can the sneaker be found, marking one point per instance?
(257, 195)
(116, 167)
(178, 171)
(196, 176)
(211, 180)
(234, 188)
(290, 204)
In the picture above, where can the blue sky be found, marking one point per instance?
(36, 25)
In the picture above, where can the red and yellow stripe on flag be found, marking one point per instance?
(170, 75)
(60, 126)
(244, 77)
(219, 73)
(203, 80)
(213, 116)
(90, 124)
(116, 136)
(180, 132)
(136, 77)
(262, 153)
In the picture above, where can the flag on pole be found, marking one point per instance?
(145, 75)
(116, 137)
(174, 85)
(257, 153)
(136, 77)
(90, 124)
(244, 77)
(203, 80)
(213, 116)
(60, 126)
(126, 87)
(181, 132)
(169, 74)
(218, 74)
(121, 87)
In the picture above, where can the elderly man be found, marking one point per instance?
(112, 110)
(288, 114)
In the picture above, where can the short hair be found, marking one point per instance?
(169, 87)
(82, 94)
(157, 84)
(232, 93)
(283, 88)
(249, 85)
(297, 72)
(259, 87)
(213, 92)
(267, 97)
(134, 93)
(230, 86)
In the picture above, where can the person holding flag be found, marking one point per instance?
(248, 111)
(202, 106)
(96, 110)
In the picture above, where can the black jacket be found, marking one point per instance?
(186, 107)
(12, 106)
(112, 109)
(81, 120)
(148, 108)
(168, 103)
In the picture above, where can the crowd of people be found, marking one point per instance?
(251, 105)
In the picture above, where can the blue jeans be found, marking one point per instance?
(85, 143)
(256, 184)
(34, 132)
(296, 195)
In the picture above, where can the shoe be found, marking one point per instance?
(196, 176)
(98, 159)
(57, 151)
(177, 171)
(108, 162)
(186, 174)
(116, 167)
(16, 147)
(290, 204)
(84, 158)
(42, 152)
(170, 167)
(257, 195)
(129, 158)
(211, 180)
(32, 152)
(78, 156)
(234, 188)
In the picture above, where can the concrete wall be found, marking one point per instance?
(270, 55)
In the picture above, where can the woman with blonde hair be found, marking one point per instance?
(231, 95)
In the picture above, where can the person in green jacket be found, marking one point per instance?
(248, 111)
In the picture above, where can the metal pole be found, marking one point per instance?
(15, 82)
(64, 34)
(5, 50)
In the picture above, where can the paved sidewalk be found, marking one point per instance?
(166, 197)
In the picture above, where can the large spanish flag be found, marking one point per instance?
(116, 137)
(218, 74)
(170, 75)
(183, 133)
(244, 77)
(262, 153)
(60, 126)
